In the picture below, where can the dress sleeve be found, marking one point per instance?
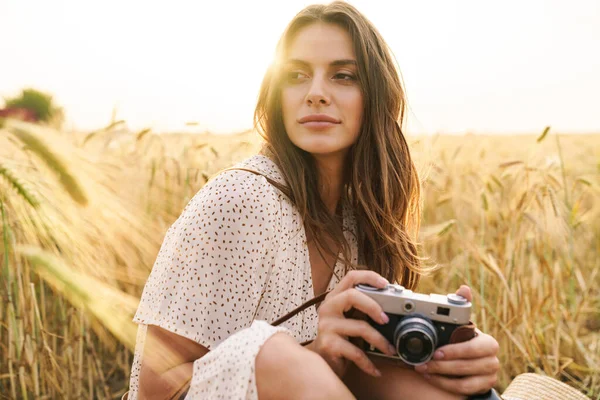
(215, 260)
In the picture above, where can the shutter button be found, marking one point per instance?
(397, 288)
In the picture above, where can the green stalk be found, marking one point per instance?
(572, 299)
(6, 271)
(482, 271)
(12, 323)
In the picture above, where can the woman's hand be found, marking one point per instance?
(334, 329)
(466, 368)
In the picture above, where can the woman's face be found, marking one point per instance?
(322, 101)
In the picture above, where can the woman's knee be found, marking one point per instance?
(285, 369)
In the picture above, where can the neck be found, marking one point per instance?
(331, 172)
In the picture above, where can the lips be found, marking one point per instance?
(319, 118)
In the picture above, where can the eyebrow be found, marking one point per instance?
(336, 63)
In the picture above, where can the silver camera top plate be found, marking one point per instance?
(395, 299)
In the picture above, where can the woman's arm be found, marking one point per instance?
(167, 363)
(205, 255)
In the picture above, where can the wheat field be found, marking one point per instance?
(82, 216)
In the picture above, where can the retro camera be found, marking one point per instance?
(419, 323)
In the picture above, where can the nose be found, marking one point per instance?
(317, 93)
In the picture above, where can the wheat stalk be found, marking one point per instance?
(83, 291)
(68, 181)
(19, 186)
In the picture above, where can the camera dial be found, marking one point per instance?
(456, 299)
(369, 287)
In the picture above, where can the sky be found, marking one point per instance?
(476, 66)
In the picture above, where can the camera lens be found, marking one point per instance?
(415, 338)
(414, 345)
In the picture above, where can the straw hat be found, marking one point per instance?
(540, 387)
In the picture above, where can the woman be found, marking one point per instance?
(333, 201)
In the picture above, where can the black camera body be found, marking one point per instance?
(419, 323)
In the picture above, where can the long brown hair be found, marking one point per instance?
(380, 183)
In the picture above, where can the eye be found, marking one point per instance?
(344, 76)
(295, 76)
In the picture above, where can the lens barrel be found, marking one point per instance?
(415, 339)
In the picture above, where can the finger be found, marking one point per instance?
(339, 347)
(358, 357)
(466, 386)
(352, 298)
(478, 366)
(465, 292)
(355, 277)
(356, 328)
(480, 346)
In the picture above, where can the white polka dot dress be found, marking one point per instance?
(235, 260)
